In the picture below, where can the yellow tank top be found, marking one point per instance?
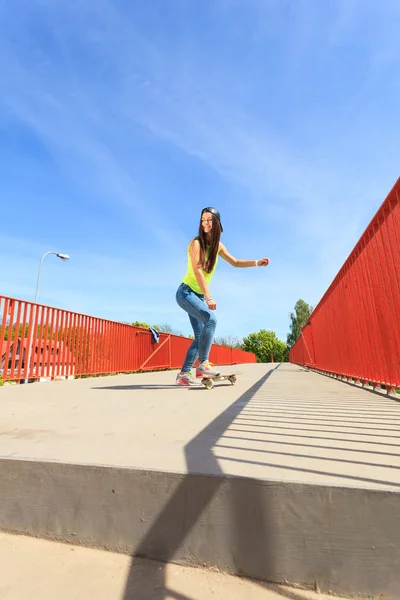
(190, 277)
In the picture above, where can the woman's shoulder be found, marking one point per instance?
(195, 240)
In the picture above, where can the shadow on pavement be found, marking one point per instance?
(163, 539)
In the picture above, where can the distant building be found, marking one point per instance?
(50, 359)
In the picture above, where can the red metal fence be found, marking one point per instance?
(354, 331)
(38, 341)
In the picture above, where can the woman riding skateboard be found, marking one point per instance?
(193, 294)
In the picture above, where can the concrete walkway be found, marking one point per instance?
(282, 423)
(42, 570)
(287, 476)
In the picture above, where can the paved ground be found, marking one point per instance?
(280, 423)
(42, 570)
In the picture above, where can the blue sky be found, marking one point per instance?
(120, 121)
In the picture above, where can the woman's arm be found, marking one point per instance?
(198, 271)
(239, 262)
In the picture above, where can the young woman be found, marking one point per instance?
(194, 296)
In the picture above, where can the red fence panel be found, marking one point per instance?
(42, 342)
(221, 355)
(179, 347)
(242, 357)
(355, 329)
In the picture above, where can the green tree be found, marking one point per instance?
(166, 328)
(10, 333)
(23, 330)
(230, 341)
(302, 312)
(144, 325)
(266, 346)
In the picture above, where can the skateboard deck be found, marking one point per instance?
(208, 380)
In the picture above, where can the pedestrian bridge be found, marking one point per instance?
(290, 475)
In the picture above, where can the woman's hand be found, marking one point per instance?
(211, 303)
(263, 262)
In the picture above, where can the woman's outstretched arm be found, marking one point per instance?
(240, 262)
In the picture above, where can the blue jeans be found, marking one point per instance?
(203, 321)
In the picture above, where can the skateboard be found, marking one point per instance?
(208, 381)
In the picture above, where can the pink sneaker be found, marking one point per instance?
(186, 380)
(206, 370)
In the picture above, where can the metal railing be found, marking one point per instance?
(354, 331)
(42, 342)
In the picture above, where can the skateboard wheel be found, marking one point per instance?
(208, 383)
(233, 380)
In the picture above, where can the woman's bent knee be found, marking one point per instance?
(212, 319)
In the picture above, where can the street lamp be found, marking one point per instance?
(59, 255)
(63, 257)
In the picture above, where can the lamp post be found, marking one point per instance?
(63, 257)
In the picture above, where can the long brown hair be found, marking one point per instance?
(208, 263)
